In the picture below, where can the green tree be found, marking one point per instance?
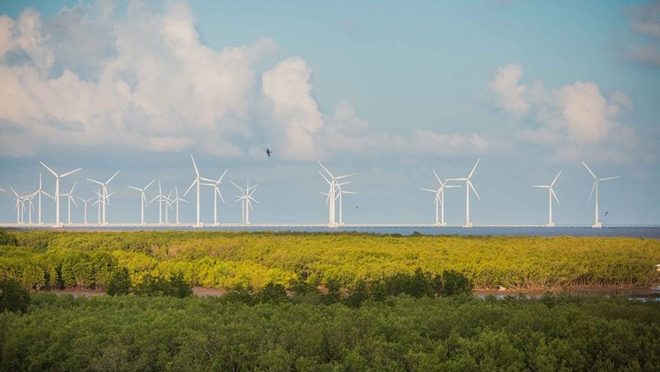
(119, 283)
(13, 297)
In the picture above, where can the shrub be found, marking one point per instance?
(175, 286)
(6, 238)
(272, 293)
(13, 297)
(455, 283)
(119, 283)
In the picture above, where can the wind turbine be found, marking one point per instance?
(597, 223)
(339, 193)
(176, 201)
(104, 195)
(196, 183)
(19, 206)
(551, 194)
(216, 192)
(40, 191)
(439, 200)
(334, 187)
(30, 207)
(468, 187)
(57, 191)
(70, 199)
(246, 200)
(161, 198)
(85, 202)
(143, 199)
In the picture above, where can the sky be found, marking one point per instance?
(389, 90)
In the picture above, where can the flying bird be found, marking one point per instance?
(268, 152)
(606, 213)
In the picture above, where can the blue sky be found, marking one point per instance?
(389, 90)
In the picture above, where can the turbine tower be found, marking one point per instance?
(332, 196)
(104, 195)
(339, 194)
(85, 203)
(30, 207)
(143, 199)
(439, 200)
(40, 191)
(215, 184)
(246, 200)
(176, 201)
(597, 223)
(57, 191)
(161, 199)
(468, 187)
(551, 194)
(196, 182)
(70, 199)
(19, 206)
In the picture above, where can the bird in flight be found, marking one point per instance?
(268, 152)
(606, 213)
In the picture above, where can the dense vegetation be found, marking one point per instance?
(400, 333)
(252, 260)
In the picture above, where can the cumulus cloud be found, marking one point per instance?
(93, 75)
(509, 91)
(288, 89)
(577, 120)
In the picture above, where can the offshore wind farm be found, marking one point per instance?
(168, 202)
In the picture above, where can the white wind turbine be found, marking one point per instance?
(215, 184)
(551, 194)
(439, 200)
(143, 198)
(332, 196)
(19, 206)
(176, 201)
(246, 200)
(161, 199)
(40, 191)
(104, 195)
(57, 191)
(338, 195)
(70, 198)
(197, 182)
(85, 203)
(468, 187)
(30, 207)
(597, 222)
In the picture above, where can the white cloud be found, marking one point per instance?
(576, 120)
(510, 93)
(92, 76)
(287, 87)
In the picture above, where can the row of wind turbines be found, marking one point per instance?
(24, 202)
(334, 197)
(469, 188)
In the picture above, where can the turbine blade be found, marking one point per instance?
(592, 190)
(95, 181)
(190, 188)
(325, 178)
(73, 187)
(222, 176)
(194, 165)
(452, 186)
(238, 187)
(134, 188)
(345, 176)
(609, 178)
(74, 201)
(72, 172)
(429, 190)
(325, 169)
(541, 186)
(208, 180)
(473, 189)
(473, 169)
(111, 178)
(149, 184)
(220, 195)
(554, 196)
(437, 177)
(555, 180)
(48, 195)
(589, 169)
(50, 170)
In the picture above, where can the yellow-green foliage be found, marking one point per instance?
(228, 260)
